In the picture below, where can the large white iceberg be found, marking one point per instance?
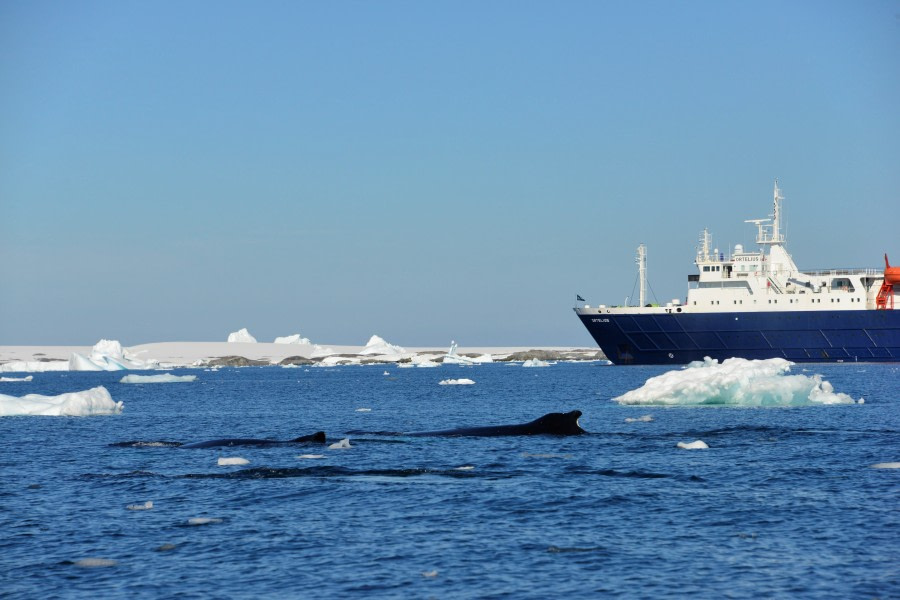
(95, 401)
(735, 382)
(107, 355)
(241, 337)
(293, 339)
(377, 345)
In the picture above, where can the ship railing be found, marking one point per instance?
(826, 272)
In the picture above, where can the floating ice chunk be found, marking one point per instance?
(203, 520)
(377, 345)
(95, 562)
(887, 465)
(430, 573)
(344, 443)
(695, 445)
(95, 401)
(425, 364)
(164, 378)
(145, 506)
(643, 419)
(737, 382)
(29, 378)
(241, 336)
(232, 461)
(535, 362)
(456, 382)
(464, 468)
(292, 339)
(386, 373)
(363, 410)
(310, 456)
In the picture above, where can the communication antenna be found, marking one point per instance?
(641, 260)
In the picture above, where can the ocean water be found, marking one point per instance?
(783, 504)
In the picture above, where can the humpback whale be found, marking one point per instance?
(315, 438)
(549, 424)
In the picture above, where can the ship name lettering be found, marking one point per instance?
(600, 320)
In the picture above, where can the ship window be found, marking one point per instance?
(706, 269)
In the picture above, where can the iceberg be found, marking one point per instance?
(292, 339)
(377, 345)
(95, 401)
(241, 337)
(34, 366)
(29, 378)
(452, 357)
(735, 382)
(164, 378)
(107, 355)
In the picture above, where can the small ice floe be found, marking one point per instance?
(695, 445)
(95, 562)
(164, 378)
(643, 419)
(464, 468)
(310, 456)
(203, 521)
(430, 574)
(29, 378)
(887, 465)
(344, 443)
(145, 506)
(386, 373)
(363, 410)
(232, 461)
(535, 362)
(456, 382)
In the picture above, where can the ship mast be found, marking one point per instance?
(641, 260)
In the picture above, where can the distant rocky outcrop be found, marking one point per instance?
(297, 360)
(553, 355)
(236, 361)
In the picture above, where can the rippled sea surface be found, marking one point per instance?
(784, 503)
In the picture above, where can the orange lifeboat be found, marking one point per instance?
(885, 299)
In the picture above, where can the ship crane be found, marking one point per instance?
(885, 299)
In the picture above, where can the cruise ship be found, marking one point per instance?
(756, 305)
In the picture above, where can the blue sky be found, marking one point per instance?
(422, 170)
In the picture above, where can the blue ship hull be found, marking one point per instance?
(799, 336)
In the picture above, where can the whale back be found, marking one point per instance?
(549, 424)
(558, 423)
